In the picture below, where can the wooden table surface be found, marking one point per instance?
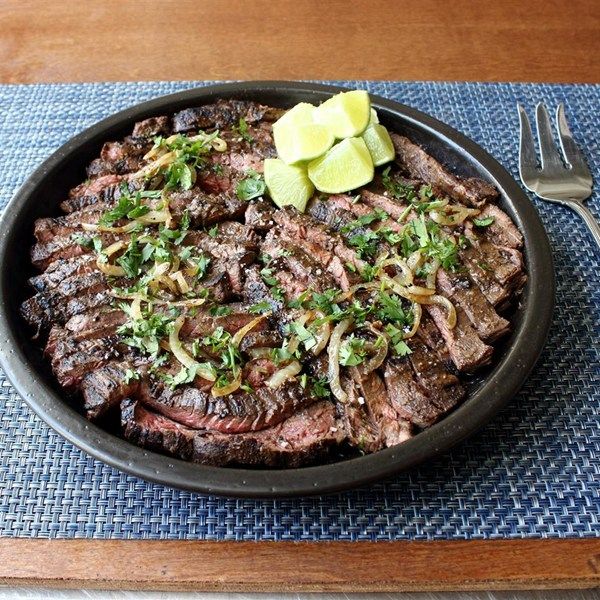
(487, 40)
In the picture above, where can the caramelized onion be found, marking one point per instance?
(105, 266)
(322, 335)
(231, 387)
(187, 360)
(380, 351)
(333, 352)
(280, 377)
(240, 333)
(417, 314)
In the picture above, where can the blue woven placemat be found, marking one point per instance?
(533, 472)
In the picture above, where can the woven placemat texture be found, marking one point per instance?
(532, 472)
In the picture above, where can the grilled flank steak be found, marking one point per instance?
(224, 330)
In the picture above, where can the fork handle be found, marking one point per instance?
(585, 213)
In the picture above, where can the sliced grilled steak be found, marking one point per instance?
(106, 386)
(391, 206)
(463, 292)
(420, 165)
(442, 387)
(259, 216)
(235, 413)
(502, 231)
(295, 261)
(221, 115)
(206, 209)
(72, 359)
(393, 429)
(61, 270)
(303, 227)
(100, 189)
(46, 308)
(466, 349)
(148, 128)
(407, 397)
(307, 436)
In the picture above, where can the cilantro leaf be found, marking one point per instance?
(485, 222)
(250, 187)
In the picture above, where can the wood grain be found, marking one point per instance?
(301, 567)
(489, 40)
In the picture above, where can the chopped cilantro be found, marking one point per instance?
(131, 375)
(396, 335)
(252, 186)
(352, 351)
(260, 307)
(243, 130)
(485, 222)
(219, 311)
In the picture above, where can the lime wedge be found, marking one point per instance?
(347, 114)
(374, 118)
(379, 143)
(287, 184)
(301, 114)
(346, 166)
(302, 142)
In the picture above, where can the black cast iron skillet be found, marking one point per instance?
(48, 185)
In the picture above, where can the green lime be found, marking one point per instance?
(301, 114)
(287, 184)
(347, 114)
(297, 143)
(379, 143)
(345, 167)
(374, 118)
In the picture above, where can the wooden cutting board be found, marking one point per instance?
(301, 566)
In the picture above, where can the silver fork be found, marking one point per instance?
(569, 184)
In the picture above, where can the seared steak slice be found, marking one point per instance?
(73, 359)
(303, 438)
(303, 227)
(49, 228)
(62, 269)
(105, 387)
(505, 264)
(502, 231)
(222, 114)
(407, 397)
(391, 206)
(42, 255)
(256, 290)
(155, 432)
(420, 165)
(203, 323)
(463, 292)
(235, 413)
(442, 387)
(358, 209)
(45, 308)
(101, 189)
(332, 264)
(94, 324)
(206, 209)
(360, 429)
(261, 339)
(393, 429)
(430, 334)
(466, 349)
(259, 215)
(295, 261)
(148, 128)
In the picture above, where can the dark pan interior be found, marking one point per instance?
(48, 186)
